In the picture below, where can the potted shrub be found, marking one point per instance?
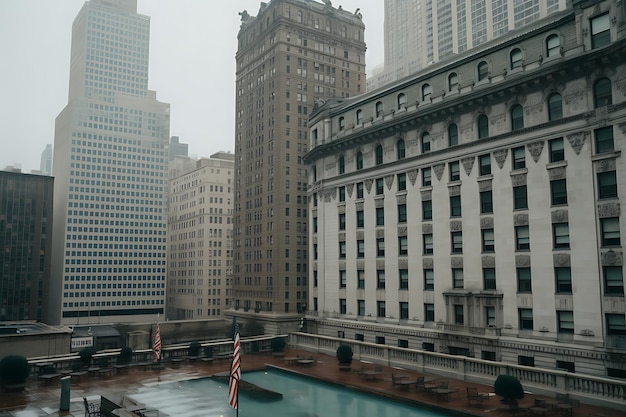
(278, 346)
(14, 370)
(194, 349)
(344, 356)
(85, 355)
(126, 355)
(509, 388)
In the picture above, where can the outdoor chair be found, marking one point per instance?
(472, 395)
(91, 409)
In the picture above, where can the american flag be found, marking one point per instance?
(235, 373)
(157, 344)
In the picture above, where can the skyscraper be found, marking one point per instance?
(110, 165)
(45, 165)
(292, 55)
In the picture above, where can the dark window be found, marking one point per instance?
(613, 281)
(525, 319)
(342, 123)
(403, 246)
(604, 139)
(359, 190)
(457, 277)
(379, 155)
(380, 186)
(489, 278)
(427, 210)
(425, 142)
(342, 306)
(453, 135)
(488, 355)
(526, 360)
(610, 231)
(602, 93)
(553, 46)
(426, 92)
(520, 197)
(342, 165)
(379, 109)
(380, 279)
(360, 248)
(360, 218)
(557, 150)
(484, 162)
(607, 185)
(404, 279)
(455, 171)
(482, 70)
(516, 58)
(401, 148)
(342, 279)
(486, 202)
(359, 116)
(483, 126)
(490, 319)
(600, 31)
(401, 101)
(428, 244)
(455, 206)
(560, 234)
(360, 276)
(555, 107)
(342, 249)
(403, 343)
(566, 366)
(359, 160)
(404, 312)
(429, 279)
(457, 242)
(517, 117)
(380, 216)
(566, 321)
(458, 314)
(401, 182)
(453, 81)
(342, 194)
(558, 191)
(429, 315)
(522, 237)
(563, 277)
(616, 324)
(402, 216)
(524, 280)
(488, 240)
(519, 157)
(342, 221)
(426, 177)
(380, 246)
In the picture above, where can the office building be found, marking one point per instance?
(475, 209)
(45, 167)
(110, 168)
(176, 148)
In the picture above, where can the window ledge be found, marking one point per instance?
(519, 171)
(606, 155)
(454, 183)
(487, 177)
(557, 164)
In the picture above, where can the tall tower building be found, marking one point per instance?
(45, 165)
(200, 236)
(110, 168)
(421, 32)
(291, 56)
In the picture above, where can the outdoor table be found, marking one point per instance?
(306, 362)
(291, 360)
(443, 394)
(373, 375)
(567, 408)
(405, 383)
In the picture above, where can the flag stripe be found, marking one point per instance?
(157, 344)
(235, 374)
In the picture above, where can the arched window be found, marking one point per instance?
(299, 16)
(516, 58)
(342, 165)
(425, 142)
(379, 109)
(453, 81)
(482, 70)
(602, 93)
(553, 46)
(359, 116)
(379, 155)
(401, 147)
(342, 123)
(517, 117)
(483, 126)
(555, 107)
(359, 160)
(401, 100)
(426, 92)
(453, 135)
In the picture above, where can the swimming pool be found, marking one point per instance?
(302, 397)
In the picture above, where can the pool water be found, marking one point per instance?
(302, 397)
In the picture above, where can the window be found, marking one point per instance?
(380, 216)
(600, 31)
(602, 93)
(607, 185)
(360, 218)
(359, 160)
(458, 314)
(523, 280)
(457, 242)
(403, 274)
(429, 312)
(525, 319)
(425, 142)
(553, 46)
(360, 278)
(342, 165)
(379, 155)
(342, 249)
(563, 278)
(613, 280)
(455, 206)
(380, 186)
(558, 191)
(429, 279)
(426, 92)
(455, 171)
(342, 194)
(379, 109)
(488, 240)
(520, 197)
(483, 126)
(453, 135)
(615, 324)
(484, 162)
(557, 151)
(360, 248)
(426, 177)
(428, 244)
(516, 60)
(342, 306)
(490, 321)
(566, 322)
(522, 238)
(560, 234)
(610, 231)
(401, 148)
(360, 305)
(342, 279)
(519, 157)
(404, 315)
(457, 277)
(380, 279)
(380, 246)
(517, 117)
(359, 190)
(427, 210)
(359, 116)
(342, 123)
(604, 139)
(401, 101)
(401, 182)
(566, 366)
(489, 279)
(482, 70)
(486, 202)
(555, 107)
(526, 360)
(403, 246)
(453, 81)
(342, 221)
(402, 216)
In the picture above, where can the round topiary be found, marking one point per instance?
(14, 369)
(85, 355)
(278, 344)
(194, 349)
(344, 354)
(509, 388)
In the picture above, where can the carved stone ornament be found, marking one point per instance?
(468, 164)
(612, 258)
(486, 223)
(437, 139)
(427, 228)
(489, 261)
(575, 94)
(341, 208)
(534, 112)
(412, 174)
(518, 180)
(605, 165)
(342, 265)
(534, 149)
(500, 157)
(602, 116)
(439, 170)
(557, 173)
(341, 236)
(498, 122)
(349, 189)
(314, 239)
(360, 235)
(380, 232)
(485, 185)
(402, 231)
(611, 209)
(522, 261)
(559, 216)
(456, 225)
(456, 262)
(401, 199)
(329, 195)
(379, 201)
(455, 190)
(520, 219)
(561, 259)
(360, 264)
(389, 181)
(403, 263)
(427, 263)
(620, 80)
(466, 131)
(358, 205)
(380, 264)
(368, 185)
(427, 195)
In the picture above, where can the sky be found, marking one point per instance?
(192, 67)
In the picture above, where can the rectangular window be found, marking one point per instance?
(560, 234)
(610, 231)
(429, 312)
(458, 314)
(600, 31)
(616, 324)
(426, 177)
(342, 194)
(488, 240)
(402, 216)
(604, 140)
(455, 171)
(519, 158)
(613, 281)
(486, 202)
(524, 280)
(557, 150)
(520, 197)
(427, 210)
(607, 185)
(558, 191)
(455, 206)
(380, 186)
(342, 279)
(360, 305)
(428, 244)
(489, 279)
(429, 279)
(360, 247)
(380, 279)
(360, 278)
(380, 309)
(360, 218)
(342, 221)
(563, 277)
(403, 274)
(457, 242)
(401, 182)
(342, 306)
(566, 366)
(526, 360)
(380, 216)
(522, 238)
(525, 318)
(342, 249)
(484, 164)
(403, 246)
(404, 312)
(490, 317)
(380, 246)
(359, 190)
(457, 277)
(566, 321)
